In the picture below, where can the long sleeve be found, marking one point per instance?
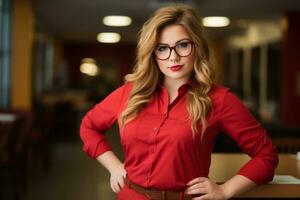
(237, 121)
(98, 120)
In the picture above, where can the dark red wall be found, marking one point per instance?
(291, 66)
(74, 52)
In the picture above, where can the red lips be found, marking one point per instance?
(176, 67)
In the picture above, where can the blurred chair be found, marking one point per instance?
(13, 154)
(287, 144)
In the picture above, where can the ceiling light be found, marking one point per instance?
(215, 21)
(108, 37)
(88, 66)
(117, 21)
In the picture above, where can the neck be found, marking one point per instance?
(173, 84)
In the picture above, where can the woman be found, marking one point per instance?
(169, 112)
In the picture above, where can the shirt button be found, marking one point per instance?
(154, 128)
(153, 150)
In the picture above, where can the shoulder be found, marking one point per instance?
(123, 89)
(116, 98)
(122, 93)
(223, 98)
(119, 94)
(220, 96)
(218, 93)
(127, 88)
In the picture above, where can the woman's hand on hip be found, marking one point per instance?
(117, 178)
(206, 188)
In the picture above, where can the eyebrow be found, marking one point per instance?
(160, 43)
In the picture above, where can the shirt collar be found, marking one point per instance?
(184, 87)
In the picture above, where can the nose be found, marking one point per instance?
(174, 56)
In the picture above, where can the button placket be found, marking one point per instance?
(147, 175)
(165, 114)
(153, 150)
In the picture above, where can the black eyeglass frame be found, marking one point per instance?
(174, 47)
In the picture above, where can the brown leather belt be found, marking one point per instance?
(154, 194)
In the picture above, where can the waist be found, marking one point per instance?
(156, 194)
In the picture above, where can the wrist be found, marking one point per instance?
(226, 191)
(115, 167)
(110, 161)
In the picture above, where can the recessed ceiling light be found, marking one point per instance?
(215, 21)
(88, 66)
(108, 37)
(115, 20)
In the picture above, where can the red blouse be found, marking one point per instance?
(159, 149)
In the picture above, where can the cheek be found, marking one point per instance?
(192, 58)
(191, 61)
(160, 65)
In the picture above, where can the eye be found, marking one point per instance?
(183, 45)
(161, 48)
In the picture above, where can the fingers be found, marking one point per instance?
(197, 191)
(203, 197)
(114, 185)
(197, 186)
(117, 178)
(196, 180)
(197, 183)
(117, 183)
(121, 181)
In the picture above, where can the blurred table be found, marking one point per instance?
(7, 117)
(226, 165)
(6, 124)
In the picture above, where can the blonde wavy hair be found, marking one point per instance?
(146, 75)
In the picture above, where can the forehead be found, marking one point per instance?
(172, 33)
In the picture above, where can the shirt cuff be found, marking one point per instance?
(257, 171)
(96, 149)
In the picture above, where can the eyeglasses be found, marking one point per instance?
(182, 49)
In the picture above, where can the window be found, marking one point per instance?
(5, 52)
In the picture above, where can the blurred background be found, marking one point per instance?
(55, 65)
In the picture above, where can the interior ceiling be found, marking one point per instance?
(81, 20)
